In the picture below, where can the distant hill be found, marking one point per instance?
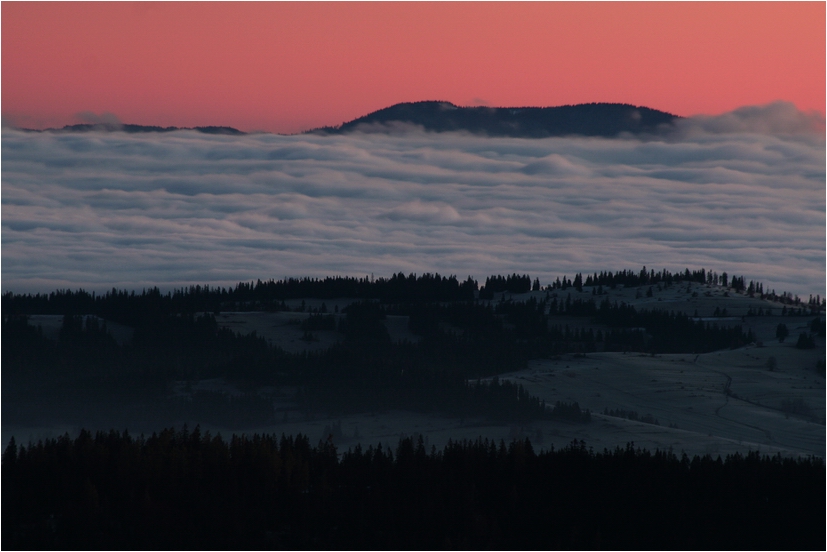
(142, 128)
(594, 119)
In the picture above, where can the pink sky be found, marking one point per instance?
(287, 67)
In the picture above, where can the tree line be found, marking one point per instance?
(130, 307)
(181, 489)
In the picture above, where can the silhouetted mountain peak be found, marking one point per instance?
(594, 119)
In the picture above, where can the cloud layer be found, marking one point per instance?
(743, 193)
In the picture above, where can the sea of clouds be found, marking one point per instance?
(743, 193)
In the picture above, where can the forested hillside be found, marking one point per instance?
(192, 490)
(432, 345)
(461, 333)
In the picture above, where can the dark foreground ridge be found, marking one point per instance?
(186, 490)
(594, 119)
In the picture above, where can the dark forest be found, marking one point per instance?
(180, 488)
(190, 490)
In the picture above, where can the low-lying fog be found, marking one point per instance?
(743, 193)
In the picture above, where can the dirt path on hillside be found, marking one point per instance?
(727, 394)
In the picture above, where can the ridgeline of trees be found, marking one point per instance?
(130, 308)
(511, 284)
(192, 490)
(176, 338)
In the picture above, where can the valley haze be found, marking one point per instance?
(741, 192)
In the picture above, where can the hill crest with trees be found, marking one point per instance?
(593, 119)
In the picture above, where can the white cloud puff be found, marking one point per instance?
(743, 192)
(775, 118)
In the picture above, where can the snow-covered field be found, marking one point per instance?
(716, 403)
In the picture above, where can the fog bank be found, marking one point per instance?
(743, 193)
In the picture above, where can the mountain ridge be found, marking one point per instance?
(590, 119)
